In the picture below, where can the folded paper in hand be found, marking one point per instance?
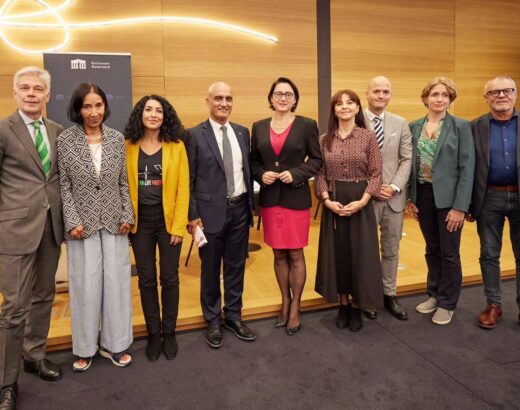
(200, 238)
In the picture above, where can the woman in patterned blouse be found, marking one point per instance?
(348, 254)
(97, 215)
(440, 193)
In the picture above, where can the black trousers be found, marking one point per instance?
(442, 250)
(230, 247)
(151, 232)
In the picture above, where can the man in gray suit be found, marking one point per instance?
(395, 142)
(495, 190)
(32, 232)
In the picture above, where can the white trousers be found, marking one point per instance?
(100, 293)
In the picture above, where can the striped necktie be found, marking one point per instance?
(378, 128)
(41, 147)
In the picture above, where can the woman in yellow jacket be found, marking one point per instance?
(158, 177)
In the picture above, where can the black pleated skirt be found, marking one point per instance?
(348, 253)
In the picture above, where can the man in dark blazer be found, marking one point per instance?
(221, 203)
(495, 191)
(31, 232)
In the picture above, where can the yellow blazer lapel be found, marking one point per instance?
(166, 152)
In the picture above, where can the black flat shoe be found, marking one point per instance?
(8, 396)
(44, 368)
(342, 319)
(355, 319)
(170, 346)
(393, 306)
(153, 347)
(214, 336)
(240, 329)
(291, 331)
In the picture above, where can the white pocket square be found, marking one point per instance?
(393, 134)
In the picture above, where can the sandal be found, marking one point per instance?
(76, 366)
(116, 358)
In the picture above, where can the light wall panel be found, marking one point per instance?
(197, 56)
(408, 41)
(487, 45)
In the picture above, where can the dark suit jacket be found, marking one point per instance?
(25, 192)
(480, 128)
(453, 164)
(300, 155)
(208, 196)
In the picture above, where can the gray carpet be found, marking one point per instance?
(389, 364)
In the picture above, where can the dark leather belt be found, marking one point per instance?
(504, 188)
(237, 199)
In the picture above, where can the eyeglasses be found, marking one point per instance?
(496, 93)
(288, 95)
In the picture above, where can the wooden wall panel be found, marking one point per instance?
(409, 42)
(412, 42)
(198, 56)
(488, 44)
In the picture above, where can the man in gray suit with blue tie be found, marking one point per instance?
(31, 229)
(395, 141)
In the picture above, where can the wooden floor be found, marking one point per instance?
(261, 295)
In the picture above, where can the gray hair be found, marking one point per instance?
(33, 70)
(500, 77)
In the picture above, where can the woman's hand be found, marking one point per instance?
(77, 232)
(333, 206)
(174, 240)
(285, 177)
(352, 207)
(412, 210)
(124, 229)
(269, 177)
(455, 220)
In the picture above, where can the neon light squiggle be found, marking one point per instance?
(7, 21)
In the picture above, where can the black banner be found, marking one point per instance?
(112, 72)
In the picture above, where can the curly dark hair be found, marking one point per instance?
(171, 130)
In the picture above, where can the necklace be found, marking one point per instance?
(279, 128)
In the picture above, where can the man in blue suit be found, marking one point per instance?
(221, 203)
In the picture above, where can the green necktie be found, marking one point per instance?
(41, 147)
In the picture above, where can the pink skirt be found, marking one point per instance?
(286, 228)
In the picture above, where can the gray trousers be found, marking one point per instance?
(100, 293)
(28, 287)
(390, 229)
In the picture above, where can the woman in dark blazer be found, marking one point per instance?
(285, 153)
(440, 193)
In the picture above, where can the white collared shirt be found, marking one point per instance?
(238, 164)
(32, 131)
(371, 117)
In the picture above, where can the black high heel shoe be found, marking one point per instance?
(279, 324)
(291, 331)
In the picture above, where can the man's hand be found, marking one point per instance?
(386, 192)
(412, 210)
(192, 226)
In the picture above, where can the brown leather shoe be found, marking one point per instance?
(489, 317)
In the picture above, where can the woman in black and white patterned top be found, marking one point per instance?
(97, 216)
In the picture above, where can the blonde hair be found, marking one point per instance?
(450, 86)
